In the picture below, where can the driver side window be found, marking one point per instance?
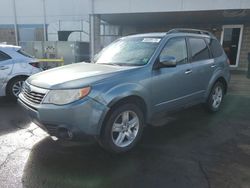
(176, 47)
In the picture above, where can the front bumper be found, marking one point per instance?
(83, 117)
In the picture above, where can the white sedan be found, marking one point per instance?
(15, 67)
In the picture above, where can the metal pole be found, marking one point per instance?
(59, 23)
(92, 40)
(81, 30)
(248, 71)
(44, 22)
(15, 22)
(92, 22)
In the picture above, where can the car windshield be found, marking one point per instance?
(134, 51)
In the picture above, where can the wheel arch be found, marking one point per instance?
(134, 99)
(224, 82)
(13, 78)
(215, 80)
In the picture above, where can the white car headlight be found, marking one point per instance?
(61, 97)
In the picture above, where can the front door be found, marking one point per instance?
(231, 42)
(172, 86)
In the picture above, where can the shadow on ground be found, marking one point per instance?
(195, 149)
(12, 118)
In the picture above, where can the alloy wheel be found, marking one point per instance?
(125, 128)
(17, 88)
(217, 97)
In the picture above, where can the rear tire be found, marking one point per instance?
(215, 97)
(14, 87)
(123, 128)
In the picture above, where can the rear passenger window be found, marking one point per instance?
(4, 56)
(199, 49)
(215, 47)
(176, 47)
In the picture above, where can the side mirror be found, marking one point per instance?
(167, 61)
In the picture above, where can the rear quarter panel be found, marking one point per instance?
(222, 70)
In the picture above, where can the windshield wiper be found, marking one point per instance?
(121, 64)
(116, 64)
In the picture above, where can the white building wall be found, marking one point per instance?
(31, 11)
(134, 6)
(60, 15)
(6, 12)
(67, 9)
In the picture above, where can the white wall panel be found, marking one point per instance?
(133, 6)
(31, 11)
(6, 12)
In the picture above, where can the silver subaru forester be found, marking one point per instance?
(130, 82)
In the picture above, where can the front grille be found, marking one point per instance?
(31, 95)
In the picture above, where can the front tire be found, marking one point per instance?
(215, 98)
(122, 129)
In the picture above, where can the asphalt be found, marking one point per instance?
(194, 149)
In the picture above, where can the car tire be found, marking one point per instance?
(122, 129)
(14, 87)
(215, 97)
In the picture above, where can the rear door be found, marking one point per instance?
(203, 65)
(6, 65)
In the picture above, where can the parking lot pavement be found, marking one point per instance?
(195, 149)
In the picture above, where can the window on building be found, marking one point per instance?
(215, 47)
(4, 56)
(199, 49)
(176, 47)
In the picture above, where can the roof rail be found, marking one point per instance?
(185, 30)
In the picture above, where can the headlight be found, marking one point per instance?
(61, 97)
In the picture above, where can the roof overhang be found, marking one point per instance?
(179, 18)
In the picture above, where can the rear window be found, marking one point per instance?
(4, 56)
(215, 47)
(24, 53)
(199, 49)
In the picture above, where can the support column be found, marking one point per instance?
(44, 22)
(95, 39)
(15, 22)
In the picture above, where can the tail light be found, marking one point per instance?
(35, 64)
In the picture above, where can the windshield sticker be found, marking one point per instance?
(145, 60)
(152, 40)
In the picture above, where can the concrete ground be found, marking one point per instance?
(195, 149)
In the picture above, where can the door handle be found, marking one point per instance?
(188, 71)
(3, 68)
(213, 65)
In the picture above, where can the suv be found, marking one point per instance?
(15, 67)
(130, 82)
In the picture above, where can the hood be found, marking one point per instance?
(74, 75)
